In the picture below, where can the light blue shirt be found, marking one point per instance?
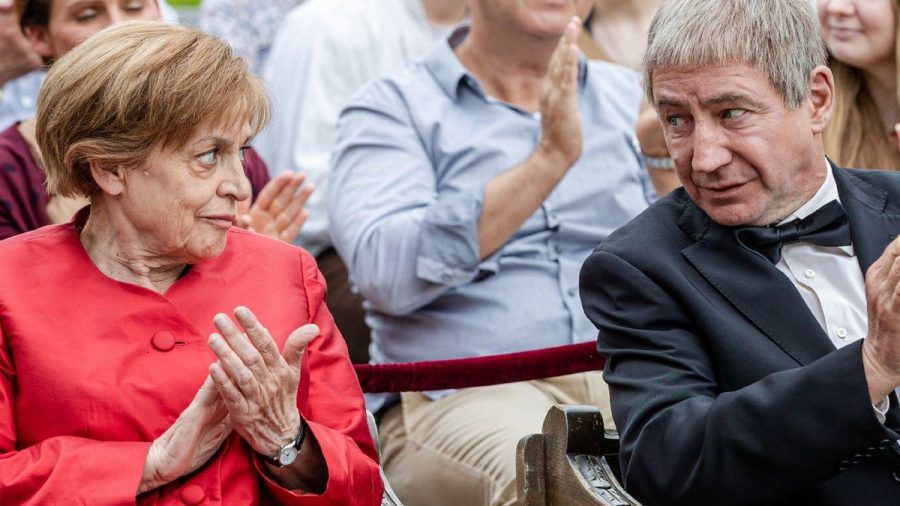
(413, 155)
(18, 98)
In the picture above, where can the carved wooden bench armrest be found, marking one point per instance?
(569, 462)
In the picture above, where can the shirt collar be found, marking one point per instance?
(450, 73)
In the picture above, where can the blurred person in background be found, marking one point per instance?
(122, 378)
(466, 191)
(616, 31)
(56, 26)
(248, 25)
(324, 52)
(861, 36)
(18, 92)
(20, 77)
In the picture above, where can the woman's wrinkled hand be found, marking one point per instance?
(279, 208)
(258, 385)
(194, 437)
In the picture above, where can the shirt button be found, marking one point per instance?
(841, 332)
(809, 273)
(163, 341)
(571, 292)
(192, 494)
(557, 248)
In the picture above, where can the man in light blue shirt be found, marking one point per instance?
(19, 78)
(464, 199)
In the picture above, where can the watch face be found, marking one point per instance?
(287, 456)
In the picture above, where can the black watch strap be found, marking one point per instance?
(289, 452)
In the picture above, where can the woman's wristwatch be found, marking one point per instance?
(289, 452)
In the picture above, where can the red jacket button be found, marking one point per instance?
(192, 494)
(163, 341)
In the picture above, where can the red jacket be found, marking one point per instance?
(92, 370)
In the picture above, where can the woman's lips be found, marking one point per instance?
(220, 220)
(843, 33)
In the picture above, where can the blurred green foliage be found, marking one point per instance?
(188, 3)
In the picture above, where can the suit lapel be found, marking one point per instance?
(755, 287)
(871, 227)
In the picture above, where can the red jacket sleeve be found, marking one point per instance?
(63, 469)
(331, 402)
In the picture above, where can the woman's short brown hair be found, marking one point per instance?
(135, 87)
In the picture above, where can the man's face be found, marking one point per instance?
(741, 154)
(541, 18)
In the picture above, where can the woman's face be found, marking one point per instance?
(73, 21)
(859, 33)
(180, 204)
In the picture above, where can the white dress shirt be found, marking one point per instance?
(829, 279)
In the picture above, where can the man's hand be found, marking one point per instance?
(16, 55)
(561, 136)
(881, 349)
(278, 211)
(513, 195)
(194, 437)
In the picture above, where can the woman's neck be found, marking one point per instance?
(881, 83)
(620, 28)
(117, 251)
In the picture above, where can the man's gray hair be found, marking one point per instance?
(778, 37)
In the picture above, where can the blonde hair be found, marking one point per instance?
(855, 136)
(133, 88)
(778, 37)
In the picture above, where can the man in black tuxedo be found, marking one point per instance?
(751, 320)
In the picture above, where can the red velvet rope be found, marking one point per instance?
(479, 371)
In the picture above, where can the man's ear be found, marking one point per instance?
(821, 97)
(110, 181)
(40, 41)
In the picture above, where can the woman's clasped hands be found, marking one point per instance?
(251, 389)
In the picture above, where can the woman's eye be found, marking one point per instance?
(209, 158)
(732, 113)
(243, 152)
(134, 6)
(86, 14)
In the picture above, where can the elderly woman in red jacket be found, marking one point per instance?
(122, 378)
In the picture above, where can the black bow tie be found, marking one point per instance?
(826, 227)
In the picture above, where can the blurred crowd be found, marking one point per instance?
(450, 165)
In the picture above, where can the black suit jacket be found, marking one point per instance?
(725, 389)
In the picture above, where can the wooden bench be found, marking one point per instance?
(569, 463)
